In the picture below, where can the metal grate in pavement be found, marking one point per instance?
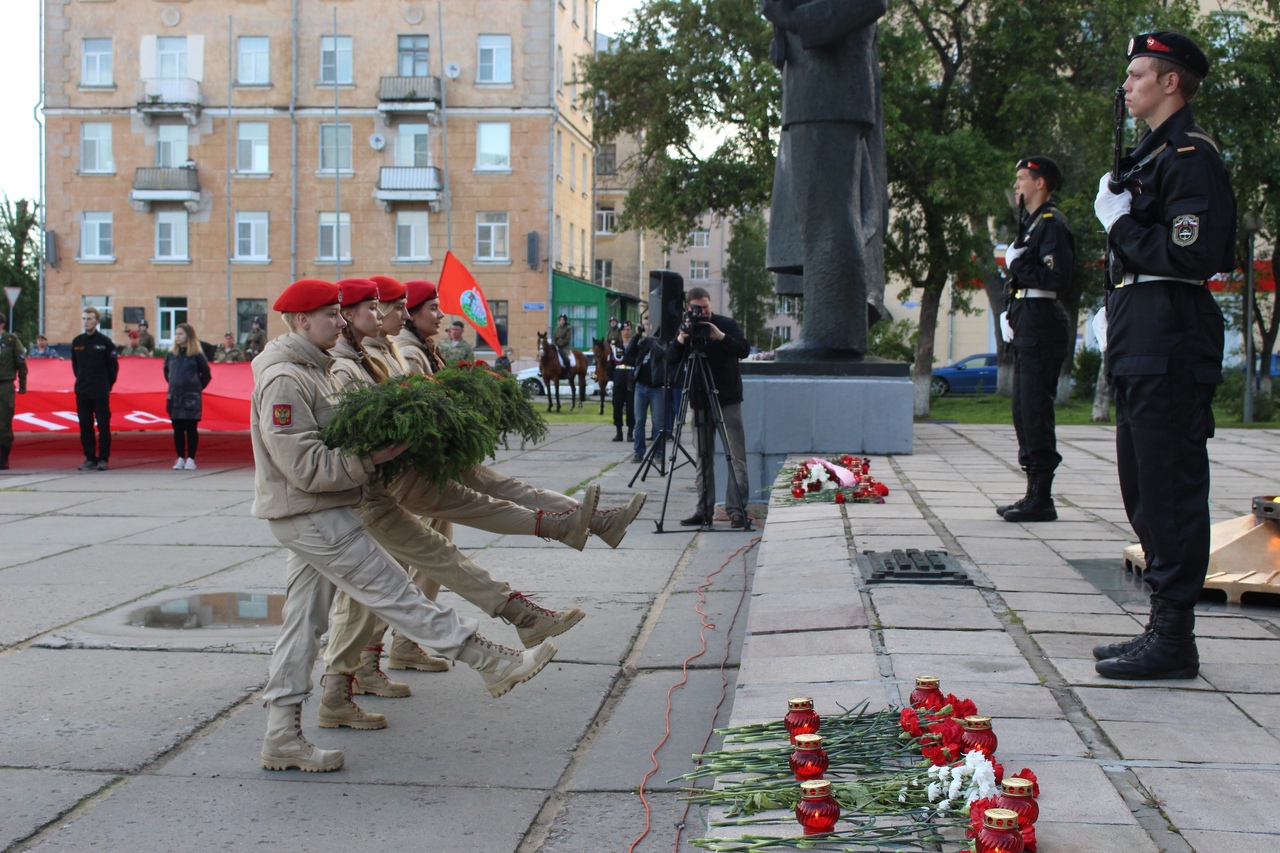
(911, 565)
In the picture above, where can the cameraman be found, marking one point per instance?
(724, 345)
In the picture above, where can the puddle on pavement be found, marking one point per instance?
(212, 610)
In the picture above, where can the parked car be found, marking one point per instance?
(973, 374)
(531, 381)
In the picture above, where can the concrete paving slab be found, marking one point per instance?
(1230, 626)
(1078, 790)
(1230, 842)
(1215, 800)
(53, 530)
(961, 667)
(30, 501)
(944, 615)
(1080, 672)
(1260, 707)
(1161, 705)
(1232, 740)
(997, 699)
(678, 633)
(159, 503)
(1006, 551)
(1073, 645)
(274, 811)
(835, 575)
(840, 642)
(1047, 602)
(1230, 650)
(98, 712)
(1240, 677)
(802, 670)
(787, 611)
(34, 798)
(613, 821)
(1052, 836)
(764, 702)
(560, 569)
(1093, 624)
(910, 641)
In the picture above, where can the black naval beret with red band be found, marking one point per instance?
(1172, 46)
(1042, 167)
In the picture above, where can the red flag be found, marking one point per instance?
(460, 294)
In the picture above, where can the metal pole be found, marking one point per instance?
(43, 248)
(337, 172)
(1248, 324)
(444, 138)
(230, 234)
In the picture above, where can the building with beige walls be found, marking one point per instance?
(623, 259)
(202, 155)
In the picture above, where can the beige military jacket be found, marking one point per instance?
(415, 356)
(386, 353)
(294, 471)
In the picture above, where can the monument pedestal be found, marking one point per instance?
(823, 409)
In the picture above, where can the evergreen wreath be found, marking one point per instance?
(499, 396)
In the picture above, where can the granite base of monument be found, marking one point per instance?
(863, 407)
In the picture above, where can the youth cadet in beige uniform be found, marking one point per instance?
(307, 491)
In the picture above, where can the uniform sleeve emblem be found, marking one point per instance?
(1186, 229)
(1047, 260)
(282, 415)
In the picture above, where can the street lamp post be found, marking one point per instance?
(1251, 224)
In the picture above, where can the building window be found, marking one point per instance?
(103, 304)
(572, 237)
(335, 237)
(170, 311)
(252, 228)
(412, 243)
(573, 166)
(491, 237)
(575, 11)
(606, 219)
(582, 251)
(412, 145)
(555, 238)
(413, 56)
(559, 154)
(604, 272)
(559, 68)
(607, 159)
(584, 320)
(247, 310)
(335, 60)
(335, 147)
(498, 308)
(95, 64)
(95, 148)
(252, 146)
(493, 145)
(699, 270)
(700, 239)
(787, 305)
(781, 334)
(171, 235)
(95, 235)
(584, 171)
(171, 145)
(573, 85)
(494, 60)
(171, 57)
(253, 60)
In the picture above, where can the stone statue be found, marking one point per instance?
(829, 209)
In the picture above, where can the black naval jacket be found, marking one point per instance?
(1046, 265)
(1182, 226)
(94, 363)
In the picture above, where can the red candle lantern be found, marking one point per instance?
(801, 719)
(1000, 833)
(809, 760)
(1016, 796)
(928, 694)
(797, 492)
(977, 734)
(817, 810)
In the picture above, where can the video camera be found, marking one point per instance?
(695, 323)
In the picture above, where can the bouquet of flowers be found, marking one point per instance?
(839, 479)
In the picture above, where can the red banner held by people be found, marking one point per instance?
(461, 294)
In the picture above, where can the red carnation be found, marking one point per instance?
(961, 708)
(1026, 773)
(1029, 838)
(977, 811)
(937, 755)
(999, 769)
(880, 489)
(910, 722)
(948, 731)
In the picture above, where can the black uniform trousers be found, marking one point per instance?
(90, 407)
(1039, 348)
(624, 396)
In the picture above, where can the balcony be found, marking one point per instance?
(409, 183)
(168, 96)
(399, 95)
(164, 183)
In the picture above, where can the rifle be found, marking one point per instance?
(1116, 184)
(1022, 222)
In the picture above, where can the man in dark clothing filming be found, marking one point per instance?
(1040, 262)
(94, 363)
(723, 344)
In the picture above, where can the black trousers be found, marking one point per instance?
(90, 408)
(1035, 385)
(1163, 424)
(624, 395)
(186, 438)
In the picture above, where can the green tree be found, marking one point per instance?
(20, 264)
(751, 297)
(685, 73)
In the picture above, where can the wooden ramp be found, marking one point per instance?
(1244, 556)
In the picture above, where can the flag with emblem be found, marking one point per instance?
(461, 294)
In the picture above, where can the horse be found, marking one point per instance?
(601, 351)
(551, 371)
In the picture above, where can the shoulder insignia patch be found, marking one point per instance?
(1188, 148)
(1186, 229)
(282, 415)
(1047, 260)
(1046, 216)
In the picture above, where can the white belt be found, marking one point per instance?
(1138, 278)
(1033, 293)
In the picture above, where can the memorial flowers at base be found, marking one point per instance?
(838, 479)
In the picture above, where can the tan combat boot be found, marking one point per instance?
(285, 747)
(371, 679)
(611, 524)
(573, 526)
(503, 668)
(337, 708)
(535, 624)
(406, 654)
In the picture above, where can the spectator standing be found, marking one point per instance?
(145, 338)
(95, 365)
(256, 339)
(454, 348)
(648, 355)
(13, 365)
(228, 352)
(187, 372)
(134, 348)
(623, 390)
(503, 362)
(42, 349)
(614, 335)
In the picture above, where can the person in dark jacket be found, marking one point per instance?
(95, 365)
(648, 355)
(187, 372)
(623, 392)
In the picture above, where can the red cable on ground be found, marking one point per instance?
(724, 682)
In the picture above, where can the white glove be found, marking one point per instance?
(1100, 328)
(1109, 206)
(1012, 253)
(1005, 329)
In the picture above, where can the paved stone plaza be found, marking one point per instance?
(129, 722)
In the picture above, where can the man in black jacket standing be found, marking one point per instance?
(94, 363)
(724, 345)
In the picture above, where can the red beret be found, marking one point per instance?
(307, 294)
(419, 292)
(133, 334)
(389, 290)
(357, 290)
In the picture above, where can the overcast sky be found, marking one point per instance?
(20, 47)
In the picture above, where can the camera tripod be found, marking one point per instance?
(697, 377)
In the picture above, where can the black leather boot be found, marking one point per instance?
(1039, 501)
(1169, 651)
(1115, 650)
(618, 436)
(630, 437)
(1019, 503)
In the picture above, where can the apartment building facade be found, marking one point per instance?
(202, 155)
